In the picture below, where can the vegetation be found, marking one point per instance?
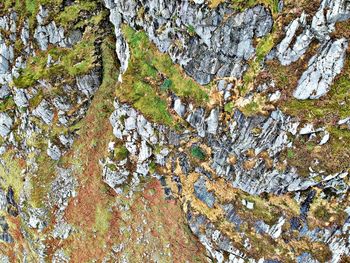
(326, 112)
(68, 63)
(198, 153)
(11, 175)
(191, 30)
(120, 153)
(263, 47)
(71, 13)
(7, 104)
(149, 75)
(102, 219)
(240, 5)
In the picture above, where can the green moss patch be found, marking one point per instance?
(70, 63)
(150, 75)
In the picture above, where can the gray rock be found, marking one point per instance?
(145, 152)
(4, 91)
(330, 12)
(201, 192)
(53, 151)
(325, 138)
(44, 112)
(61, 103)
(197, 121)
(288, 53)
(20, 98)
(130, 123)
(5, 124)
(3, 200)
(179, 107)
(49, 34)
(220, 46)
(66, 140)
(323, 68)
(37, 218)
(62, 230)
(4, 259)
(42, 15)
(6, 237)
(74, 37)
(88, 84)
(114, 175)
(145, 129)
(213, 121)
(306, 258)
(60, 257)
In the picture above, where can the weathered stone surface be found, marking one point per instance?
(202, 193)
(4, 91)
(220, 46)
(5, 124)
(20, 98)
(53, 151)
(88, 84)
(323, 68)
(44, 112)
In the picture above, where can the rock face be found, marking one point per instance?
(5, 124)
(88, 172)
(329, 60)
(322, 69)
(211, 46)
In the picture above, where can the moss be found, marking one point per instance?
(41, 181)
(120, 153)
(31, 6)
(263, 47)
(325, 112)
(72, 62)
(71, 13)
(7, 104)
(102, 219)
(149, 74)
(322, 214)
(240, 5)
(229, 107)
(250, 109)
(10, 173)
(198, 153)
(191, 30)
(333, 105)
(152, 167)
(290, 153)
(35, 101)
(166, 84)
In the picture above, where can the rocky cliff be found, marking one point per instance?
(174, 131)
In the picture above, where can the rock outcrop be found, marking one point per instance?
(104, 156)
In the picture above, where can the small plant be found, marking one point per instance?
(290, 154)
(166, 84)
(152, 167)
(120, 153)
(229, 107)
(191, 30)
(198, 153)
